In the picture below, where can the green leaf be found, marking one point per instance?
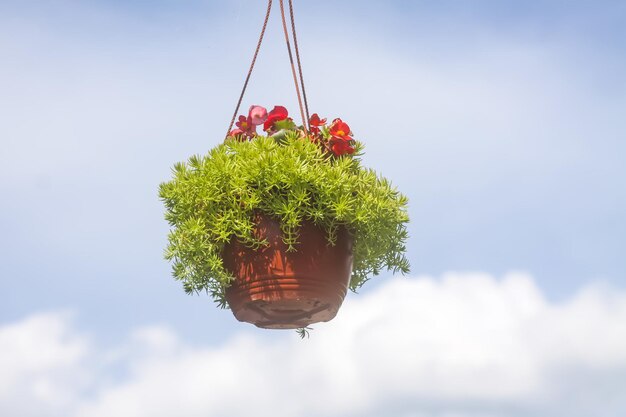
(286, 124)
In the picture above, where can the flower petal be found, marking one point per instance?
(316, 121)
(277, 113)
(257, 115)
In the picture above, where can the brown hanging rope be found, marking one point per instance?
(295, 43)
(256, 53)
(293, 68)
(305, 119)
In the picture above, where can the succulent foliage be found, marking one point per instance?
(213, 198)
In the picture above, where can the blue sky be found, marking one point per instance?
(503, 122)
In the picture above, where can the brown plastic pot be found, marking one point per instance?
(276, 289)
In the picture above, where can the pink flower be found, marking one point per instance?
(257, 115)
(236, 132)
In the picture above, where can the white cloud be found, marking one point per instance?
(465, 345)
(40, 366)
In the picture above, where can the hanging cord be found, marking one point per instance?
(303, 110)
(293, 68)
(256, 53)
(295, 43)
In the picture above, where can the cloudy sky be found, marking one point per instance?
(503, 122)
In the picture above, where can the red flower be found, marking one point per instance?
(341, 147)
(315, 122)
(277, 114)
(244, 123)
(340, 141)
(336, 138)
(340, 130)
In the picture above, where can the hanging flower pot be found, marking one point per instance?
(278, 289)
(278, 225)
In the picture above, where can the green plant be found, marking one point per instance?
(288, 175)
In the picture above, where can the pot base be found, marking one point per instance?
(285, 303)
(276, 289)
